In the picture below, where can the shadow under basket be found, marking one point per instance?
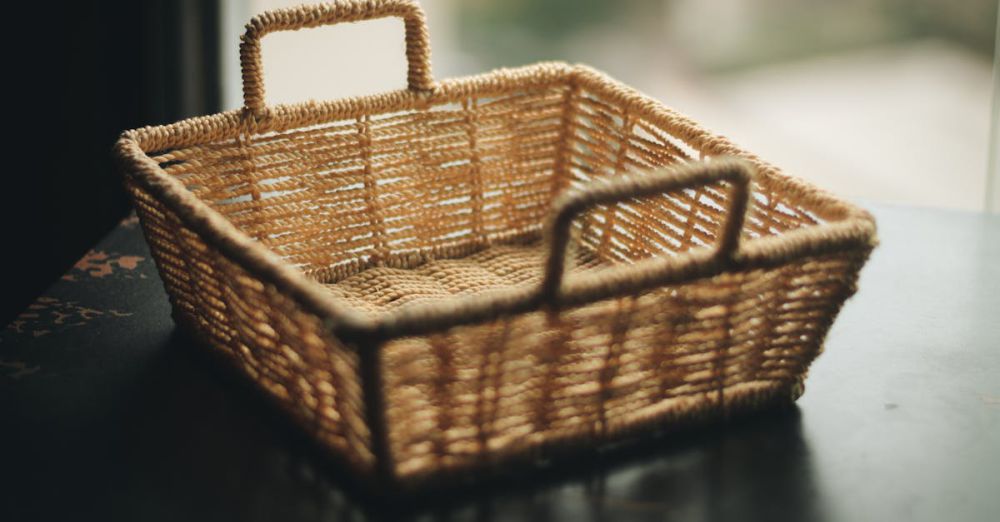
(438, 280)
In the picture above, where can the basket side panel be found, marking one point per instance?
(608, 140)
(264, 334)
(159, 227)
(478, 395)
(386, 187)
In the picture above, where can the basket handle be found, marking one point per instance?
(736, 172)
(418, 51)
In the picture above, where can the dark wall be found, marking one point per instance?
(77, 74)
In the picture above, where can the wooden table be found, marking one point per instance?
(108, 412)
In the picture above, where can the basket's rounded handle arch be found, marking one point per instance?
(735, 172)
(418, 48)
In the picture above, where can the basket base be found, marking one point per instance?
(381, 289)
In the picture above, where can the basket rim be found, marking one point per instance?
(844, 227)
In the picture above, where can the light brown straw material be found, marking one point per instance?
(445, 278)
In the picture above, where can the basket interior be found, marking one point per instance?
(406, 206)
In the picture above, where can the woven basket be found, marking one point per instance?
(438, 280)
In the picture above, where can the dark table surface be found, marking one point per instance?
(107, 411)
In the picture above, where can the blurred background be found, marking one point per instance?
(885, 100)
(881, 101)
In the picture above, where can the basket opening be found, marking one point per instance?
(403, 188)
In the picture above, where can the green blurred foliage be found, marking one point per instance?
(555, 18)
(518, 31)
(971, 23)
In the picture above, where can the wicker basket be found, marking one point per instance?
(441, 279)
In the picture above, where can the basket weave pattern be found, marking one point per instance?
(444, 277)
